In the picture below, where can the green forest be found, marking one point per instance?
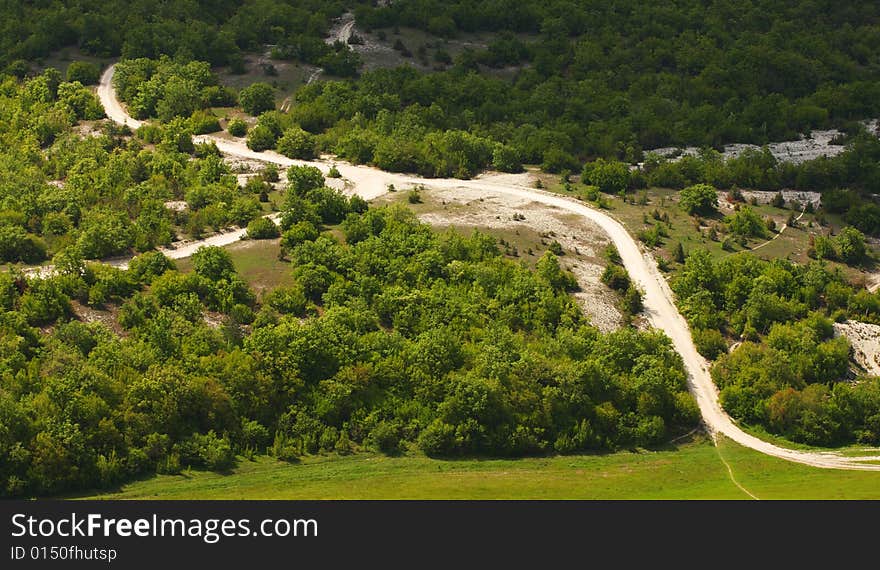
(788, 373)
(391, 336)
(591, 79)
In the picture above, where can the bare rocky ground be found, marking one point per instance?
(817, 144)
(865, 341)
(581, 240)
(790, 196)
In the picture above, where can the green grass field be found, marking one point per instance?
(692, 471)
(256, 261)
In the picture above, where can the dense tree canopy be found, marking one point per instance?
(397, 337)
(790, 374)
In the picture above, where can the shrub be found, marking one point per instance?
(610, 177)
(710, 343)
(257, 98)
(85, 72)
(616, 277)
(299, 233)
(296, 143)
(262, 228)
(237, 128)
(202, 122)
(745, 222)
(261, 138)
(699, 199)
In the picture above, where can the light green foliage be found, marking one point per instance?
(296, 143)
(610, 177)
(699, 199)
(203, 122)
(261, 138)
(689, 471)
(506, 159)
(104, 233)
(851, 245)
(213, 263)
(746, 222)
(262, 228)
(237, 128)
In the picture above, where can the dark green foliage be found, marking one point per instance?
(710, 342)
(85, 72)
(631, 303)
(257, 98)
(162, 88)
(304, 179)
(401, 353)
(616, 277)
(678, 253)
(261, 138)
(789, 385)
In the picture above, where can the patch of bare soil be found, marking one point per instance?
(865, 341)
(582, 241)
(108, 315)
(213, 319)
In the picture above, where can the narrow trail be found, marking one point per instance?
(341, 32)
(659, 301)
(730, 471)
(782, 229)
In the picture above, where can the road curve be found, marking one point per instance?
(658, 298)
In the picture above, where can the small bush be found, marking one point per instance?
(237, 128)
(202, 122)
(263, 228)
(710, 343)
(83, 71)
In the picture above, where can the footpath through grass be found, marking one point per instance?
(692, 471)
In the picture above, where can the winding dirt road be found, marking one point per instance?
(658, 299)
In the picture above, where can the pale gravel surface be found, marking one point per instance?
(659, 304)
(865, 341)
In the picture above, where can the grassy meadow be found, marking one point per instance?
(693, 470)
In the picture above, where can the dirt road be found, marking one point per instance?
(658, 301)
